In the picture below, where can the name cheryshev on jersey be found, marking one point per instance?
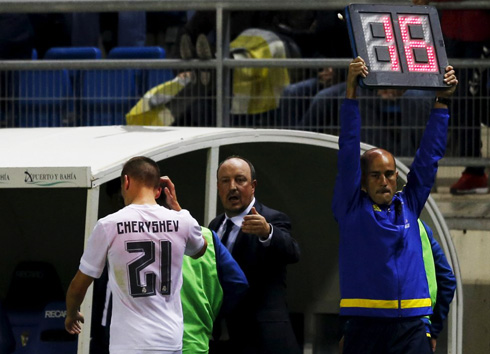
(128, 227)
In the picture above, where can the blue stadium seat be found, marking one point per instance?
(33, 285)
(107, 95)
(7, 339)
(25, 328)
(51, 336)
(146, 79)
(73, 53)
(151, 52)
(45, 97)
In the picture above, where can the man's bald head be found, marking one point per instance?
(379, 175)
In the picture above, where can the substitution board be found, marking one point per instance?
(402, 46)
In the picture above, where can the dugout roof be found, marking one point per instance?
(296, 171)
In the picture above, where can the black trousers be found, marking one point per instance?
(385, 336)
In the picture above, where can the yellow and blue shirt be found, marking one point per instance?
(381, 265)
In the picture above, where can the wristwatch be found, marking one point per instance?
(444, 100)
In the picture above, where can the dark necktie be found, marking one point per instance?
(228, 227)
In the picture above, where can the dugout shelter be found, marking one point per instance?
(56, 182)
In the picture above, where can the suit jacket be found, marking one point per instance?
(265, 269)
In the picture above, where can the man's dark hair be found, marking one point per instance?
(142, 169)
(252, 168)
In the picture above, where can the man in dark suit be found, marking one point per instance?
(259, 239)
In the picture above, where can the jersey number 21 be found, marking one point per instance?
(136, 268)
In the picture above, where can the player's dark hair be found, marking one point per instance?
(143, 169)
(253, 175)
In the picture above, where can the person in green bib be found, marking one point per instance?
(211, 286)
(441, 280)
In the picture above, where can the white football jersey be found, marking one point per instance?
(144, 246)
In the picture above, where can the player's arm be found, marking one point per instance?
(172, 203)
(348, 181)
(451, 80)
(74, 298)
(170, 194)
(432, 147)
(356, 68)
(202, 251)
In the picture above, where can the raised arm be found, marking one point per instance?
(357, 68)
(432, 147)
(170, 194)
(348, 181)
(172, 203)
(443, 97)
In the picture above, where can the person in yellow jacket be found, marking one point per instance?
(255, 90)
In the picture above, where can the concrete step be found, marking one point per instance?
(464, 212)
(461, 212)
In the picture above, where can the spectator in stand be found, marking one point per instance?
(466, 35)
(301, 100)
(189, 99)
(392, 118)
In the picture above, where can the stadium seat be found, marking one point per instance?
(25, 328)
(45, 97)
(151, 52)
(107, 95)
(51, 336)
(73, 53)
(149, 78)
(29, 276)
(7, 339)
(33, 285)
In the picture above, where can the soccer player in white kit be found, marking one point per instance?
(144, 244)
